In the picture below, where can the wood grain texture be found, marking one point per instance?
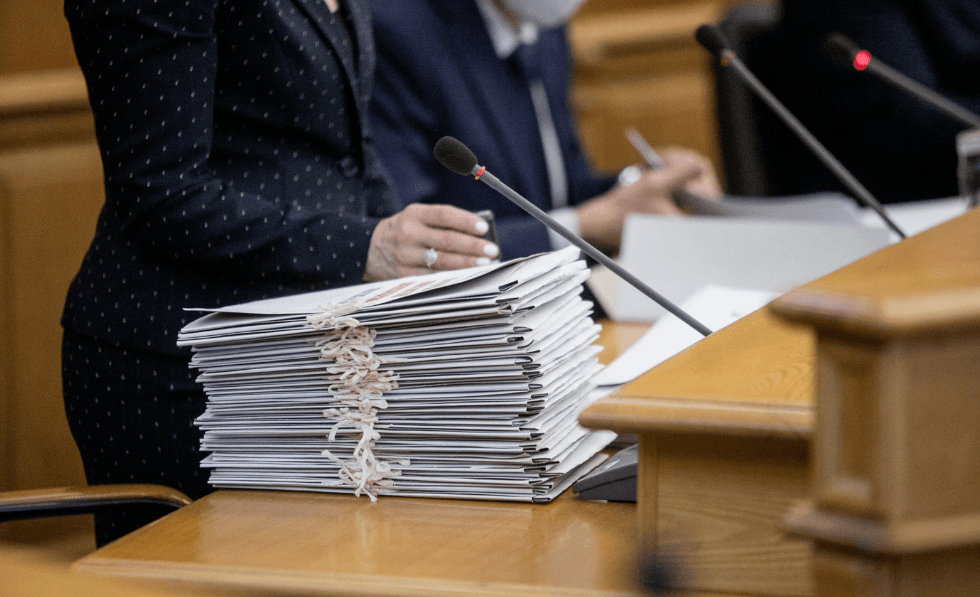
(44, 107)
(50, 194)
(615, 338)
(721, 505)
(637, 65)
(895, 503)
(754, 377)
(598, 37)
(49, 199)
(34, 36)
(886, 326)
(30, 573)
(341, 545)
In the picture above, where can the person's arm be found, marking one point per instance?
(417, 102)
(601, 219)
(151, 70)
(152, 76)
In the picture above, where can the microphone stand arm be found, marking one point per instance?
(728, 58)
(489, 179)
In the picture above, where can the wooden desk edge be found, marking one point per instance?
(296, 582)
(642, 414)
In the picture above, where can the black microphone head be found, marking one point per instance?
(452, 154)
(840, 47)
(712, 39)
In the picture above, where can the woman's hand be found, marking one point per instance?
(422, 238)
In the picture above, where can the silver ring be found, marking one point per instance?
(430, 257)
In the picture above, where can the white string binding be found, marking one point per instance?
(360, 388)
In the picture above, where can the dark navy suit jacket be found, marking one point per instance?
(900, 148)
(438, 75)
(237, 155)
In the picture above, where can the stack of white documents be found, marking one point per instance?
(463, 384)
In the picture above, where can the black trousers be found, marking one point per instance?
(131, 413)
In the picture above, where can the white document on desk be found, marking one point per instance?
(676, 256)
(825, 207)
(714, 306)
(913, 217)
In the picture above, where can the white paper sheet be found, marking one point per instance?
(821, 207)
(714, 306)
(676, 256)
(913, 217)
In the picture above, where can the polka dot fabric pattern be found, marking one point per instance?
(238, 165)
(131, 414)
(237, 157)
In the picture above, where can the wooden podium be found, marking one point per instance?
(728, 437)
(729, 445)
(724, 432)
(895, 497)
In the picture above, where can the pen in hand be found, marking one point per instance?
(686, 200)
(649, 155)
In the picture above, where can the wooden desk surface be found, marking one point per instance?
(926, 282)
(321, 544)
(755, 377)
(725, 426)
(317, 544)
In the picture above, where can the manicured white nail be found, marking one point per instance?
(482, 227)
(482, 261)
(491, 250)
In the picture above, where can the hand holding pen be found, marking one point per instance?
(654, 191)
(649, 155)
(704, 187)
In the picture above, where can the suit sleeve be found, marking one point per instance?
(413, 106)
(900, 148)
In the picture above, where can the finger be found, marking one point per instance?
(451, 218)
(706, 183)
(447, 228)
(674, 155)
(667, 180)
(706, 186)
(408, 230)
(450, 241)
(450, 261)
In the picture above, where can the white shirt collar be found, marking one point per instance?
(503, 35)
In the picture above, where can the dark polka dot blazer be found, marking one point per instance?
(237, 157)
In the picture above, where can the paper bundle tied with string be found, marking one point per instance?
(463, 384)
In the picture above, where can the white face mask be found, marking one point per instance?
(543, 13)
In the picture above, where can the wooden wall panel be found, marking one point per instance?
(50, 197)
(45, 244)
(637, 65)
(50, 194)
(34, 36)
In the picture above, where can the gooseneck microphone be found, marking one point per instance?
(456, 156)
(841, 48)
(713, 40)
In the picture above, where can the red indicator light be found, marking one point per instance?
(861, 60)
